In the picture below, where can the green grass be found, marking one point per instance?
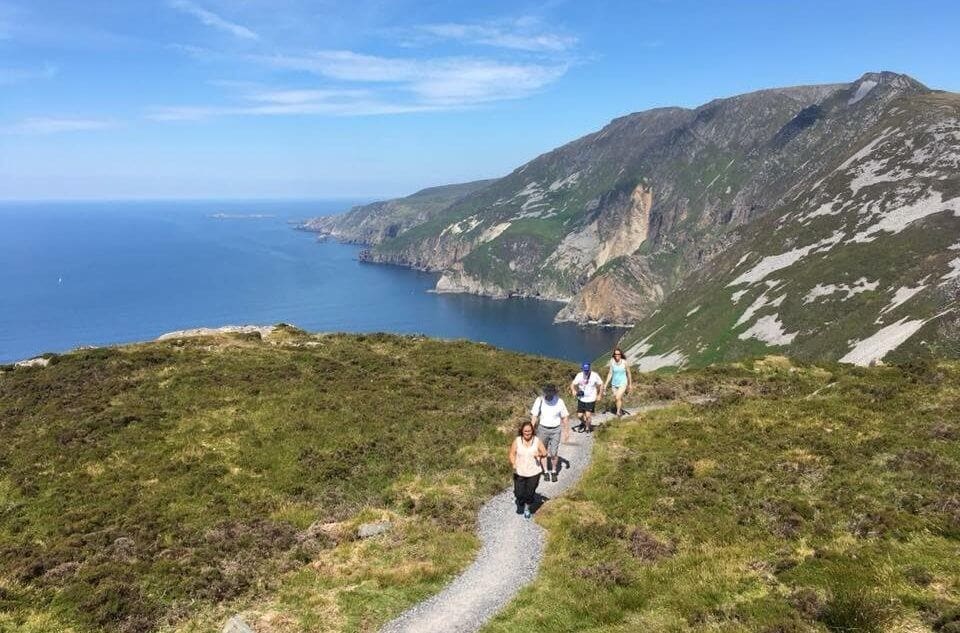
(803, 499)
(167, 486)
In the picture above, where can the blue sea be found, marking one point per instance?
(100, 273)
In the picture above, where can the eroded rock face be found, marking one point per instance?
(859, 262)
(624, 232)
(617, 220)
(457, 281)
(610, 299)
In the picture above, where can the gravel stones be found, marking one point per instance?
(509, 558)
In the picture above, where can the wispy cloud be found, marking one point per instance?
(363, 85)
(10, 76)
(355, 107)
(252, 99)
(56, 125)
(447, 81)
(213, 20)
(526, 34)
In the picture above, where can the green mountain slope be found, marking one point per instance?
(378, 221)
(861, 264)
(613, 222)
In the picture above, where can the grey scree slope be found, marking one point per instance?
(510, 553)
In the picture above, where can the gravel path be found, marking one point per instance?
(509, 556)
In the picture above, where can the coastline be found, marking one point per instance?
(454, 281)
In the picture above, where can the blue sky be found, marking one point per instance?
(300, 98)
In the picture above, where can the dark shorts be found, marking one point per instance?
(583, 407)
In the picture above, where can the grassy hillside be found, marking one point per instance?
(167, 486)
(802, 499)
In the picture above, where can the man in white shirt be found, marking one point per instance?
(587, 387)
(550, 418)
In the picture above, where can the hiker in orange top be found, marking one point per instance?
(526, 454)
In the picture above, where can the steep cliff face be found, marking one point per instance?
(733, 175)
(616, 298)
(614, 222)
(859, 263)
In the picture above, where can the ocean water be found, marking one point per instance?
(99, 273)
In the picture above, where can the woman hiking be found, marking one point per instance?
(619, 378)
(526, 454)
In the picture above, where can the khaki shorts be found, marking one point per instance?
(550, 438)
(619, 391)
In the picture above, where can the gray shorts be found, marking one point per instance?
(550, 438)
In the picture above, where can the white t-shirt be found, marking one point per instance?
(550, 414)
(588, 385)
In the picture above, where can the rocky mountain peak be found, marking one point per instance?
(894, 80)
(888, 83)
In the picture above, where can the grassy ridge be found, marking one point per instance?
(169, 485)
(801, 500)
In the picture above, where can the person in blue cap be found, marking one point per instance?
(587, 387)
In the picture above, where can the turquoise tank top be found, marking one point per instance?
(619, 378)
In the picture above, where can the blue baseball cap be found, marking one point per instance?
(585, 367)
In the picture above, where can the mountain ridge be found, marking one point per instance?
(613, 223)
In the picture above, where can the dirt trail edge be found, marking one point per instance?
(510, 553)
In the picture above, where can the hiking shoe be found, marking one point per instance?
(553, 476)
(519, 508)
(526, 513)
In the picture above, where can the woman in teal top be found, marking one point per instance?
(619, 378)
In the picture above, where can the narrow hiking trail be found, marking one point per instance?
(510, 552)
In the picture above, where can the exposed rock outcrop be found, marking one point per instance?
(613, 298)
(622, 219)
